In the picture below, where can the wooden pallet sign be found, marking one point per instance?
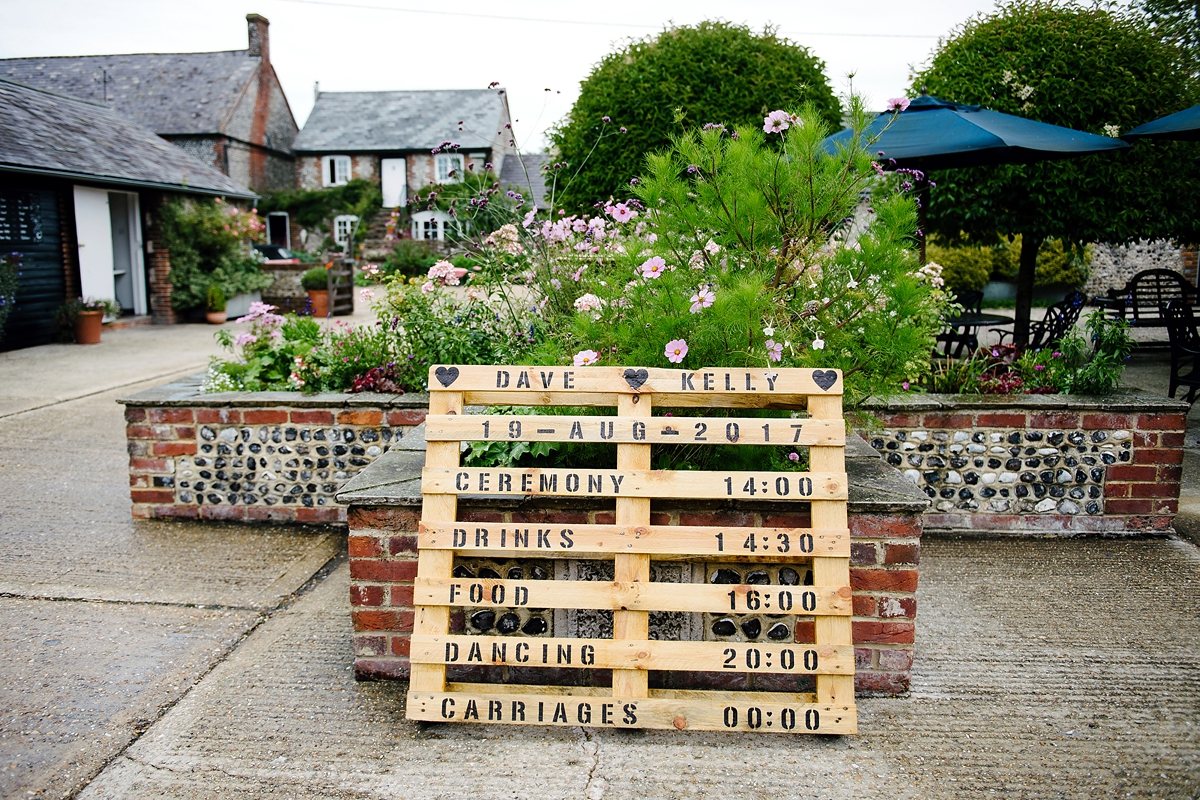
(632, 542)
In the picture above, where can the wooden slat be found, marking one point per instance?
(788, 659)
(609, 400)
(632, 567)
(631, 712)
(506, 540)
(631, 482)
(708, 695)
(634, 595)
(702, 382)
(655, 430)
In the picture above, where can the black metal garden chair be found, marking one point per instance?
(1185, 348)
(1060, 318)
(956, 341)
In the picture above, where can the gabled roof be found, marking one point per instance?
(46, 133)
(347, 122)
(522, 172)
(169, 93)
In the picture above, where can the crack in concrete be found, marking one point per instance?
(596, 785)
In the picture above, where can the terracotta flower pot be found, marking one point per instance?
(216, 317)
(320, 302)
(87, 327)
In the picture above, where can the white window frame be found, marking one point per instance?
(436, 222)
(343, 227)
(335, 170)
(478, 160)
(443, 163)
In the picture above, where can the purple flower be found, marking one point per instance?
(777, 122)
(675, 350)
(793, 456)
(898, 104)
(774, 350)
(606, 118)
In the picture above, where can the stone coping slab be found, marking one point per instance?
(186, 392)
(394, 479)
(1121, 401)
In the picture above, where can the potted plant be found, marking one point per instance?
(85, 317)
(316, 283)
(215, 304)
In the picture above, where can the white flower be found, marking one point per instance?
(852, 284)
(1112, 130)
(818, 344)
(588, 302)
(768, 331)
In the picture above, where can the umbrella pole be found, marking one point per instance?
(1030, 245)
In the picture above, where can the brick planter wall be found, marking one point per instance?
(266, 456)
(1039, 465)
(885, 526)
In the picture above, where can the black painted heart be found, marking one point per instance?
(446, 375)
(825, 378)
(636, 377)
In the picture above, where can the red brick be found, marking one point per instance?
(902, 554)
(863, 553)
(901, 420)
(183, 432)
(884, 632)
(907, 526)
(1111, 422)
(174, 448)
(149, 465)
(949, 421)
(152, 496)
(177, 512)
(477, 515)
(1166, 506)
(695, 679)
(383, 571)
(170, 415)
(147, 432)
(1054, 420)
(402, 544)
(271, 513)
(1143, 439)
(732, 519)
(406, 416)
(381, 669)
(360, 417)
(877, 580)
(895, 660)
(787, 521)
(607, 518)
(141, 512)
(370, 645)
(1148, 523)
(373, 620)
(1116, 506)
(997, 420)
(228, 513)
(805, 631)
(1161, 422)
(315, 417)
(136, 481)
(551, 516)
(366, 595)
(1129, 472)
(135, 414)
(401, 596)
(1171, 439)
(864, 605)
(657, 518)
(401, 645)
(1158, 457)
(1116, 489)
(266, 416)
(897, 607)
(1155, 490)
(763, 682)
(218, 415)
(364, 547)
(864, 658)
(385, 518)
(882, 682)
(319, 514)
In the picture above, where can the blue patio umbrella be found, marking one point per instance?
(1182, 125)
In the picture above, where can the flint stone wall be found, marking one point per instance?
(251, 456)
(885, 529)
(1038, 464)
(1112, 265)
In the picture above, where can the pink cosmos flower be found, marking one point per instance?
(898, 104)
(793, 456)
(585, 358)
(243, 339)
(712, 248)
(588, 302)
(702, 299)
(774, 350)
(653, 268)
(777, 122)
(675, 351)
(622, 212)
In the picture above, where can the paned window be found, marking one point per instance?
(448, 167)
(335, 170)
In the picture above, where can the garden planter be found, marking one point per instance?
(216, 317)
(320, 302)
(88, 326)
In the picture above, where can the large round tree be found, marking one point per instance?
(682, 78)
(1096, 69)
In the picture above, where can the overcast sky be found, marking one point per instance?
(527, 45)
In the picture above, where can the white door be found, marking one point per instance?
(395, 184)
(93, 231)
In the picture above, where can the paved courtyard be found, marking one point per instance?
(159, 659)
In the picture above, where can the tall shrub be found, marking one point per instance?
(209, 244)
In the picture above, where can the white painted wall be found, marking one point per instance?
(93, 229)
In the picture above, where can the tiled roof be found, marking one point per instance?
(48, 133)
(169, 93)
(526, 178)
(372, 121)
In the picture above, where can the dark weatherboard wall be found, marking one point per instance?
(30, 224)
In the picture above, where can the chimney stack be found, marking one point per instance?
(259, 39)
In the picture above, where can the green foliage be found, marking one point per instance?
(686, 76)
(215, 298)
(475, 201)
(207, 240)
(1057, 264)
(1097, 68)
(314, 209)
(1177, 22)
(1097, 361)
(315, 279)
(410, 257)
(963, 267)
(10, 275)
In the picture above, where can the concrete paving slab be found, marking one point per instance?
(82, 680)
(66, 530)
(1045, 669)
